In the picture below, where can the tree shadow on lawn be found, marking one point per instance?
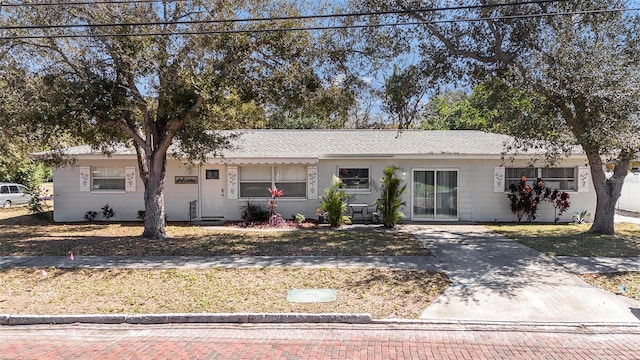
(87, 240)
(485, 265)
(574, 240)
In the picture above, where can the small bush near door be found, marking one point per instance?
(390, 200)
(334, 203)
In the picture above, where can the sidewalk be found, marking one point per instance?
(168, 262)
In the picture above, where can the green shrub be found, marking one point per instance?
(253, 212)
(90, 215)
(108, 212)
(38, 205)
(390, 200)
(299, 218)
(334, 203)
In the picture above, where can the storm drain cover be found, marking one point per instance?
(311, 295)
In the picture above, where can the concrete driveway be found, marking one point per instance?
(496, 279)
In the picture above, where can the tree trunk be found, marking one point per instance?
(608, 192)
(154, 216)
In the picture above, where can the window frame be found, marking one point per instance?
(354, 189)
(273, 182)
(93, 170)
(538, 174)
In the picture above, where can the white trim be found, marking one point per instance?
(368, 190)
(583, 178)
(312, 182)
(499, 179)
(232, 182)
(435, 181)
(130, 179)
(85, 178)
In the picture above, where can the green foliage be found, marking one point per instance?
(403, 93)
(253, 212)
(562, 80)
(334, 203)
(38, 205)
(524, 199)
(107, 212)
(390, 200)
(581, 217)
(90, 215)
(155, 93)
(299, 218)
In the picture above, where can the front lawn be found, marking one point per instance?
(621, 283)
(22, 235)
(383, 293)
(573, 239)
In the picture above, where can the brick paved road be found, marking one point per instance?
(307, 341)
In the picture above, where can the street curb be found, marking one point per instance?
(148, 319)
(505, 323)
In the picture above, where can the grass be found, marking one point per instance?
(383, 293)
(573, 239)
(614, 281)
(25, 235)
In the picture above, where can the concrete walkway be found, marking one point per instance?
(497, 279)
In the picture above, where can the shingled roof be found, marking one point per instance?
(362, 143)
(353, 143)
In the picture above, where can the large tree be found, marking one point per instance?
(160, 76)
(579, 57)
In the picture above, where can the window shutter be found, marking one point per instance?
(85, 178)
(130, 179)
(583, 178)
(498, 179)
(312, 182)
(232, 182)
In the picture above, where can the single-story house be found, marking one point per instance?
(450, 176)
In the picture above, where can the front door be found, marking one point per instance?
(212, 192)
(434, 195)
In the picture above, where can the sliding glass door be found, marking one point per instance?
(434, 195)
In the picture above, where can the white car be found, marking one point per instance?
(13, 194)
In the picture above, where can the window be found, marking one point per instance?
(256, 180)
(212, 174)
(107, 179)
(554, 178)
(355, 178)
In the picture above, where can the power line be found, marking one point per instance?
(315, 28)
(103, 2)
(278, 18)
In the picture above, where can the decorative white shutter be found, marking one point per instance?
(130, 179)
(583, 178)
(498, 179)
(85, 178)
(232, 182)
(312, 182)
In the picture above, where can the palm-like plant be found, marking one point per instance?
(391, 201)
(335, 203)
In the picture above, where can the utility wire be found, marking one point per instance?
(103, 2)
(314, 28)
(278, 18)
